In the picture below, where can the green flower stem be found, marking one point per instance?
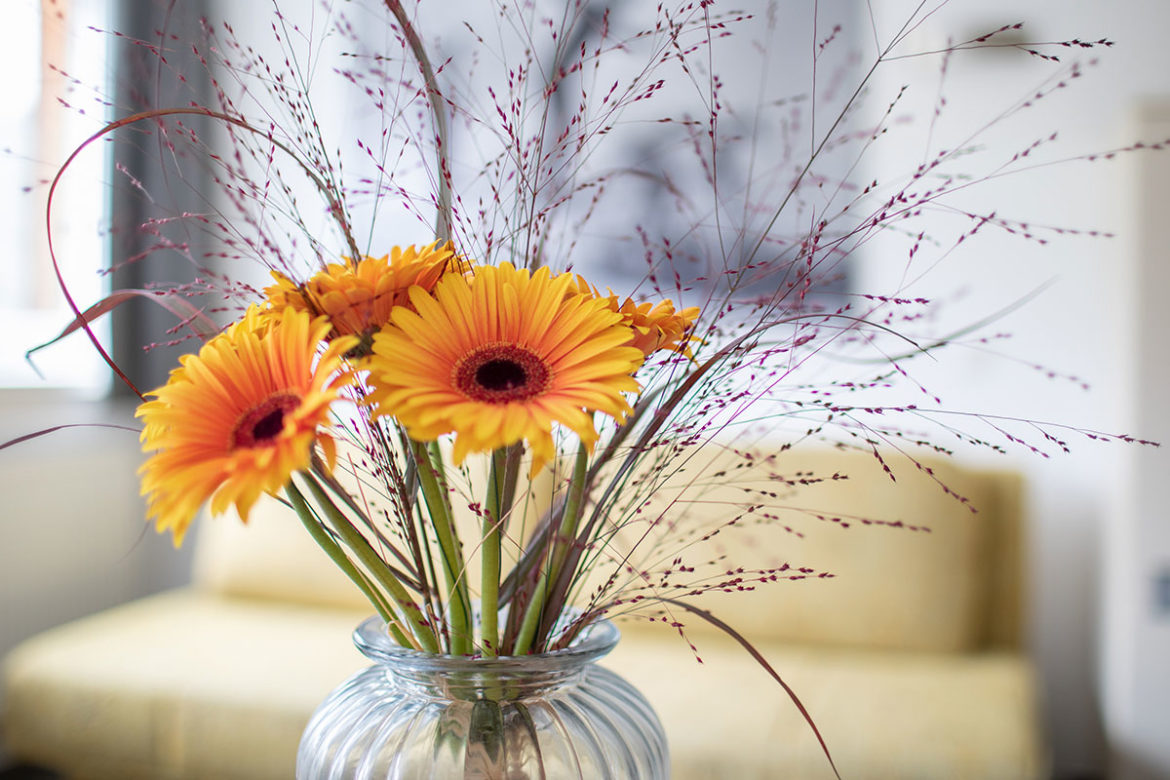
(355, 541)
(436, 461)
(490, 580)
(511, 476)
(453, 567)
(561, 544)
(338, 556)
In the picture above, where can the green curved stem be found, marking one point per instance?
(561, 544)
(489, 595)
(369, 558)
(454, 570)
(327, 543)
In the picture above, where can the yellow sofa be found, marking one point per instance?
(909, 658)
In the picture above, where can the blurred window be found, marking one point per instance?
(54, 60)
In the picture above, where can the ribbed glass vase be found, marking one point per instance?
(552, 716)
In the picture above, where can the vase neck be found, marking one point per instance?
(483, 680)
(470, 678)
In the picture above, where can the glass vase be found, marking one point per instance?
(550, 716)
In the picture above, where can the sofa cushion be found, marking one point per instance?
(272, 557)
(914, 567)
(939, 580)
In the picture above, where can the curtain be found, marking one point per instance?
(155, 179)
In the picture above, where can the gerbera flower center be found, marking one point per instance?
(499, 373)
(264, 421)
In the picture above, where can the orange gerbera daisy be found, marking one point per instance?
(255, 320)
(358, 297)
(497, 358)
(655, 325)
(238, 418)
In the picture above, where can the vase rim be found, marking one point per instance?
(594, 641)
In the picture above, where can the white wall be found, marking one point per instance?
(1083, 324)
(73, 539)
(1136, 638)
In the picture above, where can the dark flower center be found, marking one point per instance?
(264, 421)
(499, 373)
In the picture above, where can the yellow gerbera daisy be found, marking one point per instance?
(498, 357)
(238, 418)
(358, 297)
(655, 326)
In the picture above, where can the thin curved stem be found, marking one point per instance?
(336, 208)
(443, 216)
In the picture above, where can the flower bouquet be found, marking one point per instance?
(373, 362)
(470, 429)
